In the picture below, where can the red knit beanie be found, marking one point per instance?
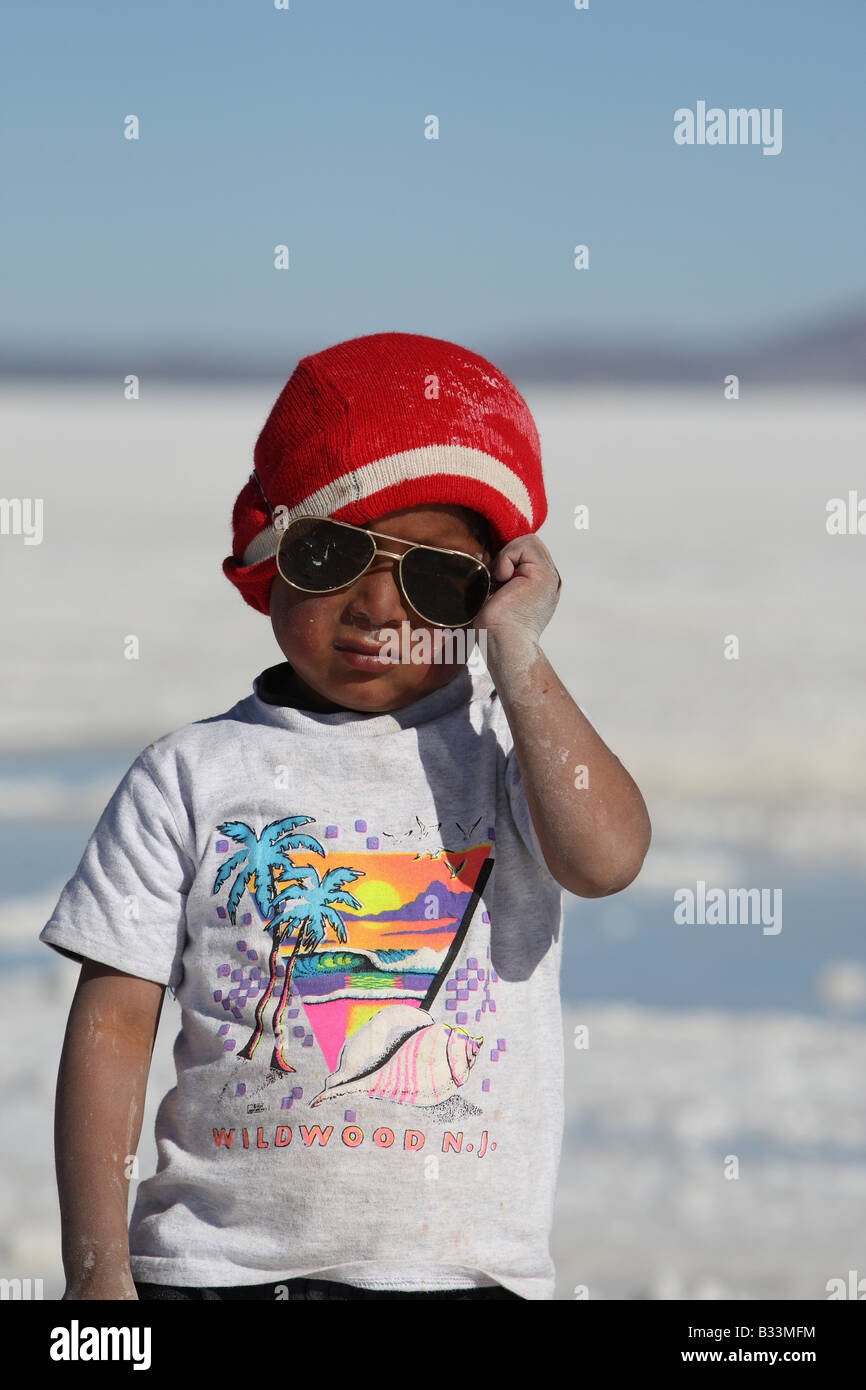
(383, 422)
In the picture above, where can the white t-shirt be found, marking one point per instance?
(372, 887)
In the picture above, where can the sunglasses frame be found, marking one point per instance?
(492, 584)
(392, 555)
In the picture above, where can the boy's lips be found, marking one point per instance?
(364, 648)
(363, 656)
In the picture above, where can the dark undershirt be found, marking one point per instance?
(277, 686)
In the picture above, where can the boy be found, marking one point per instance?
(352, 879)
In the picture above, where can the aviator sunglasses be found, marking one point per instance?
(447, 588)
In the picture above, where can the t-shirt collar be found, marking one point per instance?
(272, 685)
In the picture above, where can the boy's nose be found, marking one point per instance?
(377, 595)
(380, 579)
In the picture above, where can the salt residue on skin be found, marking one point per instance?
(517, 668)
(538, 703)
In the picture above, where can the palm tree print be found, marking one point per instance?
(311, 910)
(262, 857)
(288, 905)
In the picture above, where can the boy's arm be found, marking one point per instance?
(101, 1087)
(594, 837)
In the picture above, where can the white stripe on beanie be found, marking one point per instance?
(408, 466)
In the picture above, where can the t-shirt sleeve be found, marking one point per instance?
(125, 905)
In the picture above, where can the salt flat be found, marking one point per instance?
(707, 519)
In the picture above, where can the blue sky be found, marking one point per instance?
(306, 127)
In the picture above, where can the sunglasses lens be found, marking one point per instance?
(319, 555)
(446, 589)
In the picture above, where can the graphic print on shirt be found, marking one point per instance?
(362, 944)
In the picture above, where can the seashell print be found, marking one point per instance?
(403, 1055)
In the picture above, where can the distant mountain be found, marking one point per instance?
(831, 350)
(826, 351)
(193, 366)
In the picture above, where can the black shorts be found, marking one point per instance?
(310, 1289)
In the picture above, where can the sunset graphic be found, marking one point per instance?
(415, 912)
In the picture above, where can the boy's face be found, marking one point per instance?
(310, 627)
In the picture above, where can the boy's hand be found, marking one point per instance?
(529, 592)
